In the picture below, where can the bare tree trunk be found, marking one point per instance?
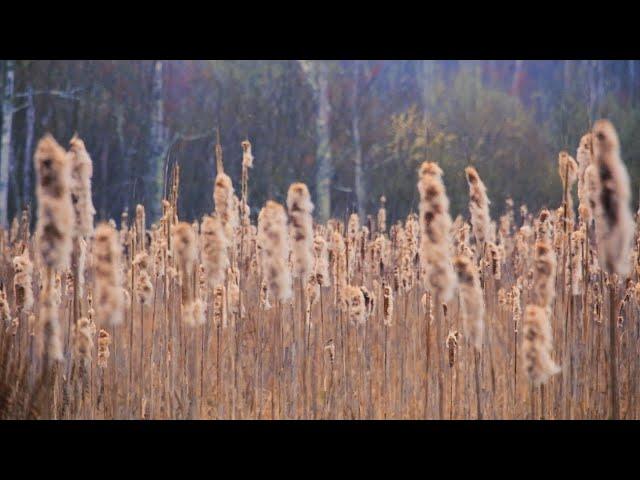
(317, 76)
(5, 142)
(28, 146)
(361, 194)
(154, 178)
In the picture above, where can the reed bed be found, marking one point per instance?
(522, 317)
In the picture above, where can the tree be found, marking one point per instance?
(154, 178)
(5, 138)
(317, 75)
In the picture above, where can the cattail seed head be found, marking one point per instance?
(537, 345)
(614, 221)
(81, 173)
(247, 157)
(471, 299)
(104, 340)
(272, 235)
(22, 282)
(435, 223)
(108, 275)
(544, 274)
(478, 206)
(301, 228)
(54, 227)
(214, 250)
(382, 215)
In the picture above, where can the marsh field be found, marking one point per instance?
(466, 302)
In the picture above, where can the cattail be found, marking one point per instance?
(387, 305)
(495, 260)
(353, 229)
(49, 319)
(584, 157)
(382, 215)
(234, 294)
(104, 340)
(247, 157)
(614, 221)
(81, 173)
(214, 250)
(22, 288)
(54, 231)
(537, 345)
(143, 287)
(435, 222)
(82, 263)
(471, 300)
(543, 230)
(5, 311)
(54, 227)
(478, 206)
(354, 304)
(577, 242)
(141, 227)
(272, 235)
(338, 265)
(264, 296)
(452, 346)
(321, 264)
(223, 199)
(108, 275)
(83, 340)
(544, 274)
(185, 248)
(568, 170)
(220, 306)
(516, 307)
(301, 229)
(312, 290)
(369, 301)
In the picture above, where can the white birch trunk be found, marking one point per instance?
(317, 76)
(5, 141)
(361, 195)
(28, 147)
(155, 173)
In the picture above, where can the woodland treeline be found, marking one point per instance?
(351, 130)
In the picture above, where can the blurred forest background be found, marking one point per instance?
(351, 130)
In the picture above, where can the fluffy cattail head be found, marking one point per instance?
(435, 224)
(567, 168)
(53, 169)
(272, 235)
(108, 276)
(224, 204)
(104, 340)
(478, 206)
(471, 300)
(382, 215)
(184, 243)
(537, 345)
(301, 228)
(82, 171)
(214, 250)
(544, 273)
(55, 212)
(355, 304)
(247, 157)
(615, 224)
(23, 291)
